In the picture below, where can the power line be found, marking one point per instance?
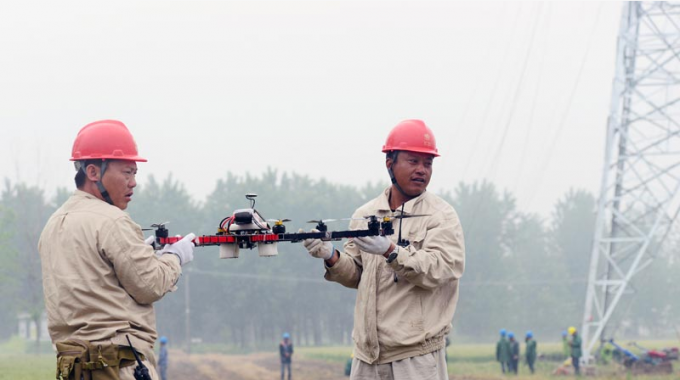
(551, 150)
(534, 101)
(492, 166)
(518, 90)
(471, 98)
(494, 92)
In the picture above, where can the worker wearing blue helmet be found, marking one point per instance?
(286, 354)
(503, 351)
(514, 353)
(530, 350)
(163, 357)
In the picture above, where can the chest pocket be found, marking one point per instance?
(417, 238)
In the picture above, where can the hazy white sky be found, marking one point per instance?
(515, 92)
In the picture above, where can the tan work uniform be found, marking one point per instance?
(100, 278)
(411, 317)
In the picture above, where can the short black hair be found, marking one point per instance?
(80, 175)
(392, 154)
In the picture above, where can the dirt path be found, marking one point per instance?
(258, 366)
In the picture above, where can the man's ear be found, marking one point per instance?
(389, 162)
(92, 172)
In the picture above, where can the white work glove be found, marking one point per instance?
(376, 245)
(150, 241)
(318, 248)
(184, 249)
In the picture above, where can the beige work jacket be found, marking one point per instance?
(412, 316)
(99, 278)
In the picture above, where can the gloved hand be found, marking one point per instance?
(184, 249)
(150, 240)
(376, 245)
(318, 248)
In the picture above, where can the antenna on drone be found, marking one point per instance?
(251, 197)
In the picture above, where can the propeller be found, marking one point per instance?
(332, 220)
(155, 226)
(278, 227)
(403, 242)
(406, 216)
(278, 221)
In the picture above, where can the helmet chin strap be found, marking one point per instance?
(393, 179)
(100, 186)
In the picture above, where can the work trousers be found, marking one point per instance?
(283, 370)
(430, 366)
(512, 366)
(575, 363)
(503, 365)
(530, 363)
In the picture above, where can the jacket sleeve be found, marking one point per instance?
(441, 257)
(143, 275)
(349, 267)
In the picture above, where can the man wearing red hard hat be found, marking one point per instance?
(406, 291)
(100, 277)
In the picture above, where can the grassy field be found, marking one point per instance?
(26, 367)
(477, 361)
(466, 361)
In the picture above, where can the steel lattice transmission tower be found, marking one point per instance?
(638, 200)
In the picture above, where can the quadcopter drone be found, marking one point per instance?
(247, 229)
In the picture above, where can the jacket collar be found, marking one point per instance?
(84, 194)
(384, 202)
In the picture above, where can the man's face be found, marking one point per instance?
(412, 171)
(119, 180)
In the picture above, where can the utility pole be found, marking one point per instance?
(641, 176)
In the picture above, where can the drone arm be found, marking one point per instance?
(348, 268)
(436, 256)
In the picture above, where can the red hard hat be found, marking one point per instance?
(105, 139)
(413, 136)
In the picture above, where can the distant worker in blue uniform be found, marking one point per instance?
(503, 351)
(286, 354)
(530, 350)
(514, 353)
(163, 358)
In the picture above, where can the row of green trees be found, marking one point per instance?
(522, 271)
